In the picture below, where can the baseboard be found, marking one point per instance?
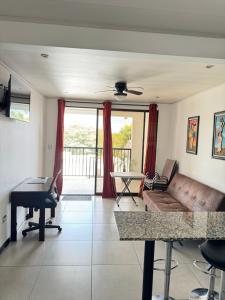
(4, 245)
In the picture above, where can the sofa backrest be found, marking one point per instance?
(194, 195)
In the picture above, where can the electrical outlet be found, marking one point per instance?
(4, 219)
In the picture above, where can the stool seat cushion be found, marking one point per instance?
(214, 253)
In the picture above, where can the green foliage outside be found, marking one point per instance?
(77, 136)
(122, 139)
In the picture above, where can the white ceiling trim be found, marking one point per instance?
(111, 40)
(197, 18)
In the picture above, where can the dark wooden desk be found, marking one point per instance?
(29, 195)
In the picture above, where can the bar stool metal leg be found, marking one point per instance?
(211, 293)
(222, 286)
(169, 246)
(167, 274)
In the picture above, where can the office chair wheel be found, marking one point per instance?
(24, 233)
(60, 229)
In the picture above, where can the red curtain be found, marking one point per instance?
(150, 157)
(109, 189)
(59, 145)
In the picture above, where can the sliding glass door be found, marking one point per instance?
(79, 151)
(128, 130)
(83, 148)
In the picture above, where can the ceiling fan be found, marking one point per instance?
(121, 90)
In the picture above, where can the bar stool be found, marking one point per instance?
(214, 253)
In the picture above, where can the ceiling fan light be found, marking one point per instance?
(120, 97)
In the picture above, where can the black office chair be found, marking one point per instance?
(49, 202)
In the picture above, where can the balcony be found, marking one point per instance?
(81, 165)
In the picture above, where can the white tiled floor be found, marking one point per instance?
(86, 261)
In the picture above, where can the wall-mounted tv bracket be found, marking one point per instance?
(3, 102)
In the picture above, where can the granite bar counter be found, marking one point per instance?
(167, 226)
(170, 225)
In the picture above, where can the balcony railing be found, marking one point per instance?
(81, 161)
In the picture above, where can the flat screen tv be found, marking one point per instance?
(18, 100)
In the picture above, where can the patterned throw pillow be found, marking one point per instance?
(151, 176)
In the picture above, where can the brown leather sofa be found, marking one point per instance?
(185, 194)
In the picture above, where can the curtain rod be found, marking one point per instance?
(113, 103)
(115, 106)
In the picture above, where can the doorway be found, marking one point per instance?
(79, 151)
(83, 148)
(128, 141)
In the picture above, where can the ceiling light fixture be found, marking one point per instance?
(120, 96)
(209, 66)
(44, 55)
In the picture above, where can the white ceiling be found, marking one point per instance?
(79, 74)
(194, 17)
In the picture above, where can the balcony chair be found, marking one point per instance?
(157, 182)
(49, 202)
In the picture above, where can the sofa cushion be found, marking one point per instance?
(162, 201)
(195, 195)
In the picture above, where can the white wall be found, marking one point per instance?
(21, 154)
(165, 137)
(201, 166)
(208, 48)
(50, 135)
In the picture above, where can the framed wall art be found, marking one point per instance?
(192, 135)
(218, 147)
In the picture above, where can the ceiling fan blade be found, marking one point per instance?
(137, 87)
(134, 92)
(105, 91)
